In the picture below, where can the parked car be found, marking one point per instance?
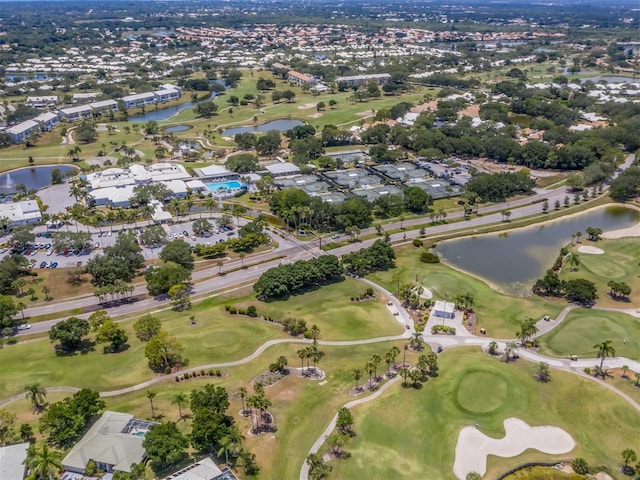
(43, 264)
(54, 265)
(24, 326)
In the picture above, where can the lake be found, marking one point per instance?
(611, 79)
(514, 260)
(167, 112)
(280, 125)
(32, 177)
(177, 128)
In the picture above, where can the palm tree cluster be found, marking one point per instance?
(371, 367)
(259, 404)
(117, 291)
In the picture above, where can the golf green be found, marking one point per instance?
(470, 394)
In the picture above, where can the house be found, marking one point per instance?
(21, 213)
(167, 93)
(300, 79)
(105, 106)
(359, 80)
(12, 461)
(444, 309)
(47, 121)
(113, 442)
(139, 99)
(205, 469)
(73, 114)
(20, 132)
(283, 169)
(43, 101)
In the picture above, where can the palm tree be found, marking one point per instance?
(36, 394)
(357, 375)
(46, 291)
(394, 352)
(243, 393)
(574, 261)
(375, 360)
(150, 396)
(219, 263)
(370, 369)
(188, 203)
(315, 333)
(578, 236)
(416, 341)
(44, 463)
(225, 442)
(210, 203)
(604, 350)
(178, 399)
(302, 353)
(242, 255)
(388, 359)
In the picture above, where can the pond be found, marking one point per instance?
(280, 125)
(514, 260)
(610, 79)
(159, 114)
(32, 177)
(177, 128)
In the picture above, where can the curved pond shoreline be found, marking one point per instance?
(510, 261)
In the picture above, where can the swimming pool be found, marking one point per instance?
(230, 185)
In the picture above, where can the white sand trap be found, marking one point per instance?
(633, 231)
(307, 105)
(590, 250)
(315, 115)
(473, 446)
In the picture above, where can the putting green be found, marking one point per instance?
(469, 399)
(584, 328)
(603, 267)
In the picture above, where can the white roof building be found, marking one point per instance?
(116, 196)
(213, 171)
(283, 169)
(12, 459)
(205, 469)
(444, 309)
(164, 171)
(21, 213)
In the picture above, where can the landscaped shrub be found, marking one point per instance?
(242, 311)
(227, 307)
(252, 311)
(444, 329)
(417, 242)
(428, 257)
(369, 292)
(186, 375)
(211, 372)
(232, 310)
(294, 326)
(202, 373)
(587, 370)
(218, 373)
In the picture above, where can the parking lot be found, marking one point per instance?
(41, 254)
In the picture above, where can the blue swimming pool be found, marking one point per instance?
(230, 185)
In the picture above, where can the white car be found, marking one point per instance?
(24, 326)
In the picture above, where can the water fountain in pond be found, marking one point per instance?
(9, 182)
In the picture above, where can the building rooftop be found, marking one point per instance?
(205, 469)
(112, 440)
(283, 168)
(12, 458)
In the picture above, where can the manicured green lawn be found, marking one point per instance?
(496, 312)
(302, 408)
(411, 433)
(335, 314)
(217, 337)
(584, 328)
(619, 263)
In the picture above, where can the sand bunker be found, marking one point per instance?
(307, 105)
(590, 250)
(633, 231)
(473, 446)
